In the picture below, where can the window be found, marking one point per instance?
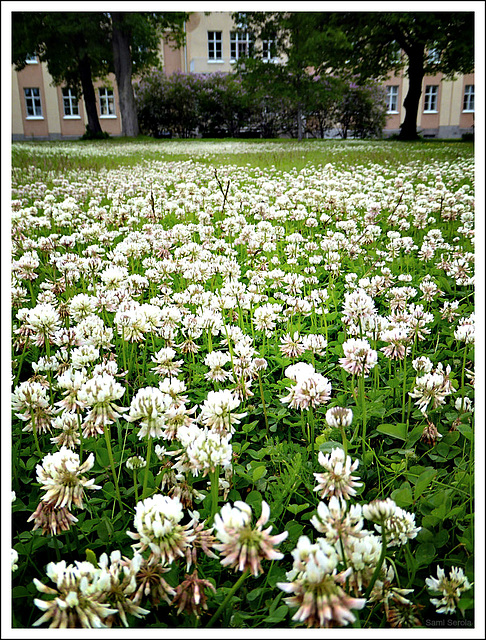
(31, 59)
(33, 103)
(239, 45)
(70, 103)
(107, 103)
(215, 45)
(392, 99)
(430, 100)
(268, 49)
(433, 56)
(468, 98)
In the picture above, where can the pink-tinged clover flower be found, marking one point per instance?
(315, 586)
(242, 546)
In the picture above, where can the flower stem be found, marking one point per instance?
(363, 411)
(145, 476)
(214, 475)
(379, 564)
(263, 403)
(34, 430)
(229, 595)
(112, 465)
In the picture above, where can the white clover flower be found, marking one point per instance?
(99, 393)
(135, 462)
(311, 389)
(84, 355)
(79, 597)
(43, 320)
(81, 306)
(315, 343)
(464, 404)
(242, 546)
(339, 417)
(359, 357)
(450, 588)
(217, 411)
(423, 364)
(337, 480)
(209, 451)
(67, 422)
(378, 510)
(216, 360)
(338, 520)
(166, 365)
(149, 406)
(315, 586)
(157, 523)
(431, 389)
(397, 524)
(61, 477)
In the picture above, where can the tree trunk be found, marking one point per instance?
(89, 96)
(122, 58)
(408, 128)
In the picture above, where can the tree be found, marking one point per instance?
(369, 45)
(72, 47)
(135, 39)
(373, 44)
(283, 36)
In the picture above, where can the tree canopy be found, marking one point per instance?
(80, 47)
(370, 45)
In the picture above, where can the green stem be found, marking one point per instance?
(135, 484)
(229, 595)
(379, 564)
(34, 430)
(311, 430)
(214, 476)
(404, 390)
(363, 411)
(145, 476)
(263, 403)
(112, 465)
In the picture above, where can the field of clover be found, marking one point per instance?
(242, 384)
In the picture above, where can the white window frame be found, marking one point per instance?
(392, 98)
(70, 100)
(34, 103)
(431, 98)
(239, 39)
(215, 46)
(468, 100)
(107, 102)
(267, 50)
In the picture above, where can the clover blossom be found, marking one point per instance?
(397, 525)
(80, 600)
(242, 546)
(359, 357)
(157, 523)
(99, 394)
(149, 406)
(217, 411)
(337, 480)
(316, 588)
(60, 475)
(311, 389)
(451, 589)
(30, 400)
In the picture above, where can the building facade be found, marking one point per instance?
(41, 111)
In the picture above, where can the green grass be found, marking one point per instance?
(280, 154)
